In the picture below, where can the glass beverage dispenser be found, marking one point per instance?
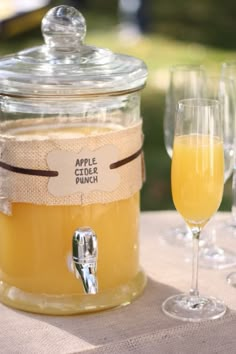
(70, 173)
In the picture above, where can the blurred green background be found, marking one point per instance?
(174, 32)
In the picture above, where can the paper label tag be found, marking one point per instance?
(83, 172)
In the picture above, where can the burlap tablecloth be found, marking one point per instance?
(140, 327)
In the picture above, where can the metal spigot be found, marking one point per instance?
(84, 255)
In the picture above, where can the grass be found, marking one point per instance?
(159, 53)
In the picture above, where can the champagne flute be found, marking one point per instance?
(228, 70)
(223, 89)
(185, 82)
(197, 181)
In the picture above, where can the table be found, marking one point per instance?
(140, 327)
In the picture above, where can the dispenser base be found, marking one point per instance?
(72, 304)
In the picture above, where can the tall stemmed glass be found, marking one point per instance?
(229, 71)
(197, 181)
(185, 82)
(223, 89)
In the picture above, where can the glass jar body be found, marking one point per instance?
(36, 237)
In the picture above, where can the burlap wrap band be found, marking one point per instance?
(82, 164)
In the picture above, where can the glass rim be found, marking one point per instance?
(219, 77)
(187, 67)
(199, 102)
(229, 63)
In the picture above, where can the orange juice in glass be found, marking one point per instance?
(197, 176)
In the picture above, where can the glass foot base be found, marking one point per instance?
(231, 279)
(193, 308)
(230, 222)
(228, 225)
(216, 258)
(178, 236)
(74, 303)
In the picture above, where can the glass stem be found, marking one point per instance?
(233, 209)
(194, 286)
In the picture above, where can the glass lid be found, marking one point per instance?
(64, 65)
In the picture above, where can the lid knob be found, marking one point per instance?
(63, 28)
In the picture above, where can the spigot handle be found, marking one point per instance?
(84, 255)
